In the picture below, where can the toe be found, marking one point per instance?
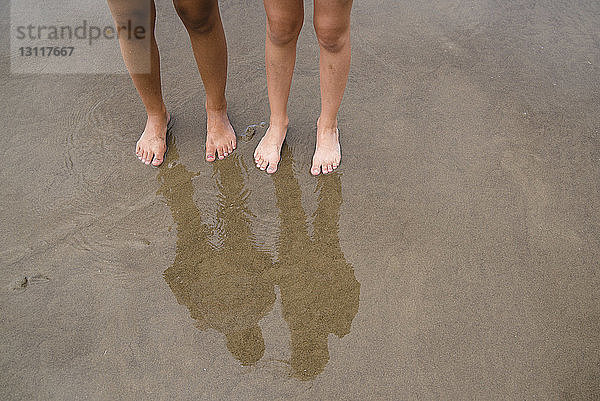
(272, 167)
(263, 165)
(149, 157)
(210, 153)
(157, 161)
(234, 144)
(221, 153)
(315, 170)
(329, 168)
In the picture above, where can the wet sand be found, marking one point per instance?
(453, 256)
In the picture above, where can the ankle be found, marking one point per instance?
(216, 108)
(279, 121)
(327, 124)
(159, 115)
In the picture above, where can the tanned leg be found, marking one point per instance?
(284, 22)
(202, 20)
(143, 63)
(332, 26)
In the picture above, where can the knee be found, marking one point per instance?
(138, 13)
(197, 16)
(332, 37)
(283, 31)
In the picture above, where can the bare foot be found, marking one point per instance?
(267, 153)
(151, 146)
(327, 153)
(220, 136)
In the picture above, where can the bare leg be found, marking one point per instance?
(203, 23)
(143, 63)
(332, 25)
(284, 22)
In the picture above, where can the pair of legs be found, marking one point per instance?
(332, 26)
(203, 23)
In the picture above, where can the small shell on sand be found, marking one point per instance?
(252, 130)
(23, 282)
(249, 133)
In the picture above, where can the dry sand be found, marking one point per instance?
(454, 256)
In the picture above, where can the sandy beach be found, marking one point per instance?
(452, 256)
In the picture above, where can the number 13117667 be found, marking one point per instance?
(46, 51)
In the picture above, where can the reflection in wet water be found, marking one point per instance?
(319, 292)
(225, 289)
(230, 288)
